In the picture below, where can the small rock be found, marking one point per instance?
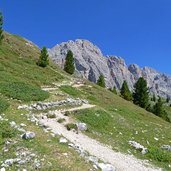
(166, 147)
(82, 126)
(106, 167)
(13, 124)
(22, 125)
(156, 138)
(63, 140)
(2, 169)
(93, 159)
(138, 146)
(28, 135)
(9, 162)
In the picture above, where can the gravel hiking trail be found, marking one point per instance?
(122, 162)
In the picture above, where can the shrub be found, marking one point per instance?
(125, 92)
(158, 154)
(6, 131)
(3, 105)
(141, 93)
(51, 115)
(61, 120)
(67, 113)
(43, 59)
(101, 81)
(113, 90)
(23, 91)
(69, 66)
(71, 126)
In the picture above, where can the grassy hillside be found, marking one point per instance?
(20, 81)
(113, 121)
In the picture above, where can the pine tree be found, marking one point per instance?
(141, 93)
(69, 63)
(43, 59)
(101, 81)
(167, 99)
(113, 90)
(154, 98)
(1, 29)
(125, 92)
(159, 110)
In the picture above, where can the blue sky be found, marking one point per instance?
(137, 30)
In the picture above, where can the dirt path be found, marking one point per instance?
(84, 106)
(120, 161)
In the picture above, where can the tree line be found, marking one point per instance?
(140, 96)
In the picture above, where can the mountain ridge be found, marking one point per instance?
(90, 63)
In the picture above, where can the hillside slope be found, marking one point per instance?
(90, 62)
(112, 122)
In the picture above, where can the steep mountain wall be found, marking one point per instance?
(90, 63)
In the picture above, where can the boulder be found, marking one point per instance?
(82, 126)
(166, 147)
(106, 167)
(138, 146)
(28, 135)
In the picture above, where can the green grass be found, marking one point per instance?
(18, 63)
(115, 121)
(6, 131)
(159, 155)
(23, 91)
(21, 78)
(71, 91)
(3, 104)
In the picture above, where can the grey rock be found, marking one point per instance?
(81, 126)
(13, 124)
(93, 159)
(63, 140)
(2, 169)
(166, 147)
(106, 167)
(43, 106)
(90, 63)
(28, 135)
(9, 162)
(138, 146)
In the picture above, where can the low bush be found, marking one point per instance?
(71, 126)
(51, 115)
(23, 91)
(61, 120)
(71, 91)
(67, 113)
(3, 105)
(6, 131)
(158, 154)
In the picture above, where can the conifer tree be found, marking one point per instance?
(113, 90)
(159, 110)
(125, 92)
(154, 98)
(1, 29)
(43, 59)
(101, 81)
(69, 63)
(167, 99)
(141, 93)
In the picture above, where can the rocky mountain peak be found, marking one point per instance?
(90, 63)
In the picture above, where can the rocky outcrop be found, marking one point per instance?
(90, 63)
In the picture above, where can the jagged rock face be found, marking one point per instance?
(90, 63)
